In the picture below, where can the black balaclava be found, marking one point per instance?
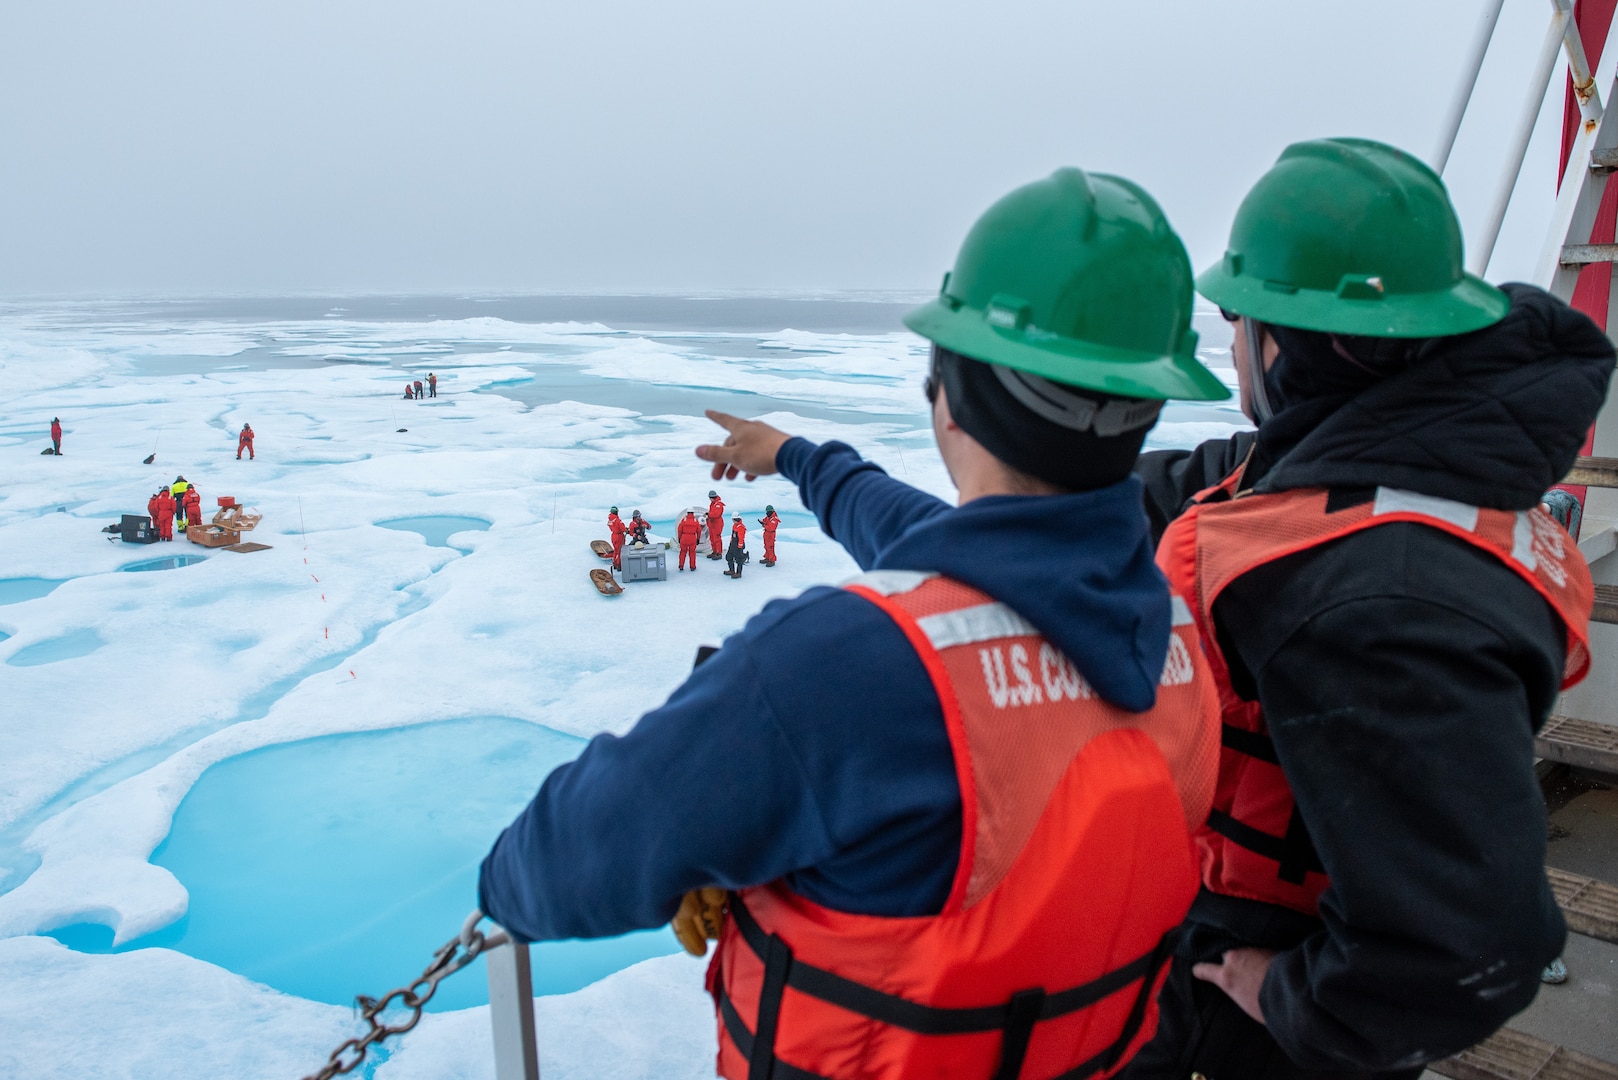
(1078, 440)
(1314, 375)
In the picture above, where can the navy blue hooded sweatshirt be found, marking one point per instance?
(812, 747)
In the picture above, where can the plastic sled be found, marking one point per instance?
(601, 548)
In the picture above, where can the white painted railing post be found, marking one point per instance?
(511, 1013)
(1468, 83)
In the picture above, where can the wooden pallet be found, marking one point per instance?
(1580, 743)
(1590, 906)
(250, 546)
(1511, 1055)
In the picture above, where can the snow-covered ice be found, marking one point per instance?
(435, 574)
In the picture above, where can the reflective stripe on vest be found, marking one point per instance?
(1076, 864)
(1256, 844)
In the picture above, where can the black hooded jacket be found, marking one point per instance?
(1403, 674)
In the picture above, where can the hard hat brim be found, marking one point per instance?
(1470, 304)
(1104, 368)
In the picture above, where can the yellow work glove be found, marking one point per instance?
(701, 917)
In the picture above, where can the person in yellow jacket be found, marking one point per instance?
(178, 490)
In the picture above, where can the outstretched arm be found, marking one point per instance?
(744, 776)
(857, 503)
(1172, 477)
(702, 791)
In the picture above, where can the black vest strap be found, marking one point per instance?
(736, 1028)
(1021, 1016)
(1295, 852)
(777, 967)
(1015, 1019)
(1108, 1058)
(1251, 743)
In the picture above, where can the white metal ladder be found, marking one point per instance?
(1568, 248)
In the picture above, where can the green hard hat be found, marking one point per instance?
(769, 509)
(1351, 236)
(1079, 279)
(614, 510)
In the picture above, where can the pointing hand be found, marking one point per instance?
(749, 448)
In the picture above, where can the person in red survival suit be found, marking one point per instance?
(244, 441)
(421, 391)
(56, 434)
(616, 525)
(163, 514)
(193, 506)
(769, 521)
(432, 385)
(151, 510)
(637, 528)
(689, 533)
(410, 391)
(716, 525)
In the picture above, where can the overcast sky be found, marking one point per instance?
(175, 147)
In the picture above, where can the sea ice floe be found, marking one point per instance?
(343, 626)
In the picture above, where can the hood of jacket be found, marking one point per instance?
(1492, 418)
(1079, 567)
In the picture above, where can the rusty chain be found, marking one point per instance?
(450, 957)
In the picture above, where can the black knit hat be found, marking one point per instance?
(1078, 440)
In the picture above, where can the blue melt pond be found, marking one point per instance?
(436, 529)
(66, 647)
(335, 866)
(14, 590)
(171, 562)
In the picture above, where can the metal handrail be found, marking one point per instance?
(511, 1004)
(1468, 83)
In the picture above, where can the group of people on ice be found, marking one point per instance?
(416, 391)
(177, 501)
(1214, 762)
(688, 534)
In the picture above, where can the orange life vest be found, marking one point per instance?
(1256, 844)
(1077, 862)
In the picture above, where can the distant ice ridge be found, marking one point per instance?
(345, 626)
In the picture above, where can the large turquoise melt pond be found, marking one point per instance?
(335, 866)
